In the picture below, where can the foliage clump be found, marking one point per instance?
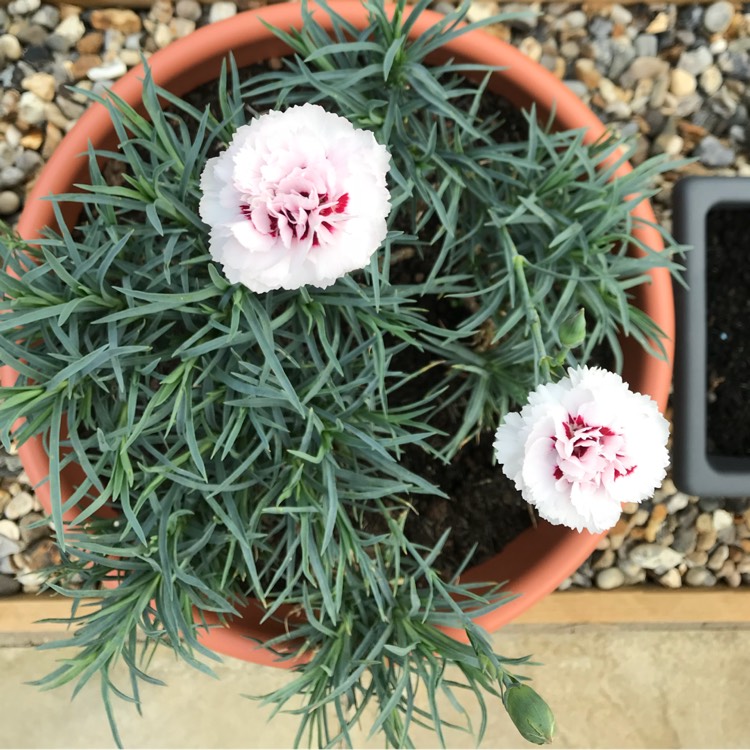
(237, 446)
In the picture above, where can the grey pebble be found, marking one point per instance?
(735, 64)
(684, 540)
(48, 16)
(718, 16)
(8, 585)
(29, 161)
(32, 34)
(687, 517)
(23, 7)
(738, 133)
(579, 579)
(600, 28)
(713, 153)
(10, 177)
(524, 22)
(8, 547)
(646, 45)
(652, 556)
(696, 61)
(699, 577)
(577, 87)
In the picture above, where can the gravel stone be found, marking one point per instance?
(576, 19)
(718, 16)
(584, 581)
(10, 177)
(47, 16)
(180, 27)
(10, 47)
(706, 540)
(41, 84)
(8, 546)
(577, 87)
(677, 502)
(711, 80)
(91, 43)
(30, 161)
(718, 557)
(646, 45)
(20, 505)
(69, 110)
(9, 203)
(531, 48)
(23, 7)
(722, 519)
(660, 23)
(621, 15)
(696, 61)
(126, 21)
(525, 22)
(8, 585)
(605, 560)
(33, 35)
(699, 577)
(107, 71)
(608, 579)
(31, 108)
(683, 83)
(685, 540)
(704, 523)
(220, 11)
(652, 556)
(645, 67)
(190, 9)
(66, 34)
(29, 530)
(9, 529)
(671, 579)
(600, 28)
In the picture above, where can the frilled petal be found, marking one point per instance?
(299, 197)
(582, 446)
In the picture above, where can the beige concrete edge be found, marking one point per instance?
(20, 615)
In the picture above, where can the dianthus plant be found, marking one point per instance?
(237, 443)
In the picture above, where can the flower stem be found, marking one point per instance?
(541, 360)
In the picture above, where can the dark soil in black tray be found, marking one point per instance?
(728, 332)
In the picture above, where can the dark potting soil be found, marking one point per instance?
(728, 332)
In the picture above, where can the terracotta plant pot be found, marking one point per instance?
(540, 558)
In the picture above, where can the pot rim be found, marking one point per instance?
(537, 561)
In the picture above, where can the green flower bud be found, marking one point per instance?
(531, 715)
(573, 330)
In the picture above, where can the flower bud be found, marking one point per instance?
(573, 330)
(529, 712)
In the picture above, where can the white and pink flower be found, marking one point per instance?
(299, 197)
(582, 446)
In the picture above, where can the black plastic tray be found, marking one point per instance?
(694, 470)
